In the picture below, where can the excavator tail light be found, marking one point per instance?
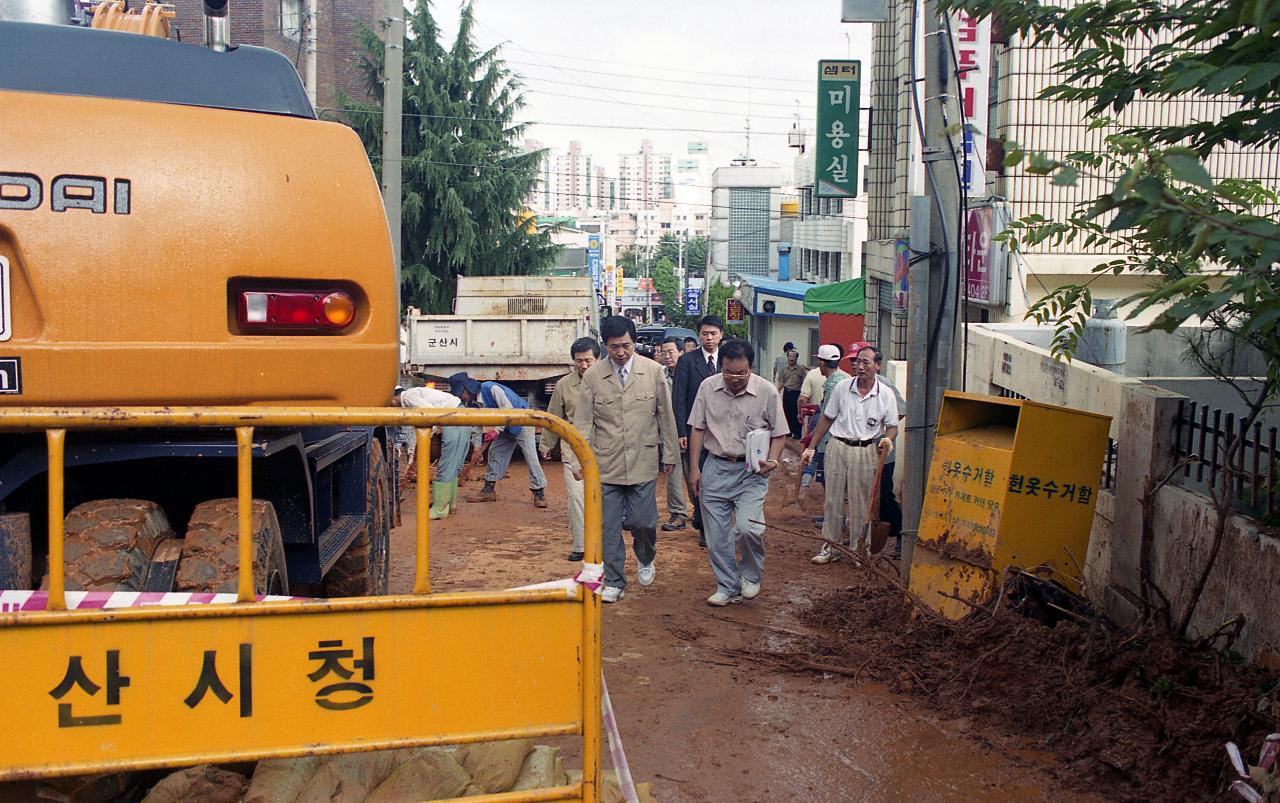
(339, 309)
(265, 311)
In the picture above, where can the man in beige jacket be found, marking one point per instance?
(585, 352)
(624, 412)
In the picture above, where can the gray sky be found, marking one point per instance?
(769, 46)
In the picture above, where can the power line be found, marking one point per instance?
(659, 79)
(562, 124)
(615, 100)
(781, 195)
(685, 109)
(656, 66)
(680, 96)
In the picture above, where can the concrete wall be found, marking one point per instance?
(1000, 360)
(1246, 576)
(1246, 573)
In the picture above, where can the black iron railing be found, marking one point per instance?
(1202, 436)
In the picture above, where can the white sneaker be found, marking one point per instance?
(750, 590)
(825, 555)
(645, 574)
(721, 599)
(611, 594)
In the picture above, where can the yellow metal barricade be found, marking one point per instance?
(92, 691)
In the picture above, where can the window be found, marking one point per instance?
(291, 19)
(835, 266)
(749, 226)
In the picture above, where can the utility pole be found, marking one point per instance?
(392, 126)
(934, 280)
(313, 50)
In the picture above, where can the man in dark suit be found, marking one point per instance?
(693, 367)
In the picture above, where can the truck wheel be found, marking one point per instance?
(108, 544)
(362, 570)
(210, 550)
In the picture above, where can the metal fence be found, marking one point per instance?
(1201, 439)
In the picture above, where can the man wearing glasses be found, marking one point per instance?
(624, 412)
(732, 407)
(861, 414)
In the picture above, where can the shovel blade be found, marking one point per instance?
(877, 536)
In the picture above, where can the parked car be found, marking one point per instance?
(648, 338)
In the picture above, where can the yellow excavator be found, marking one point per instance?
(178, 228)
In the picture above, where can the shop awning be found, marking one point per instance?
(848, 298)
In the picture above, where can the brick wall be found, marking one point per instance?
(257, 22)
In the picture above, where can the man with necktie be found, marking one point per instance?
(624, 413)
(693, 368)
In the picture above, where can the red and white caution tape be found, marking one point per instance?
(620, 766)
(15, 601)
(591, 575)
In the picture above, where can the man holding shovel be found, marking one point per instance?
(862, 416)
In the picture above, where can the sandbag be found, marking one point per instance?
(611, 792)
(205, 783)
(430, 775)
(279, 780)
(542, 769)
(494, 766)
(346, 778)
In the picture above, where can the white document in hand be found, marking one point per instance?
(756, 444)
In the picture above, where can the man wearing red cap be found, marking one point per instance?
(862, 417)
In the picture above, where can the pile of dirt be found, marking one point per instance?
(1133, 715)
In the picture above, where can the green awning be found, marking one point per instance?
(848, 298)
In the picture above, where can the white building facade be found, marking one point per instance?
(745, 222)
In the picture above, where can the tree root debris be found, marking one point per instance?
(1130, 715)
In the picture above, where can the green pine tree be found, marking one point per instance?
(465, 177)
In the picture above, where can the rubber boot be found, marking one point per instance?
(443, 497)
(485, 494)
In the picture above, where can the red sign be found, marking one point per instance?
(978, 254)
(734, 311)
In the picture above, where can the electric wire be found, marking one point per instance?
(553, 123)
(650, 115)
(681, 70)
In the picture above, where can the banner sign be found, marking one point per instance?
(986, 259)
(971, 42)
(836, 159)
(595, 257)
(692, 301)
(734, 311)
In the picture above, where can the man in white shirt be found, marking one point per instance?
(455, 442)
(862, 413)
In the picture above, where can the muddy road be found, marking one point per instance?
(699, 719)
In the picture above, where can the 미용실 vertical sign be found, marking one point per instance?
(836, 159)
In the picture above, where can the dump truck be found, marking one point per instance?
(177, 228)
(516, 330)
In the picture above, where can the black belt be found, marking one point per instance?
(852, 442)
(741, 459)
